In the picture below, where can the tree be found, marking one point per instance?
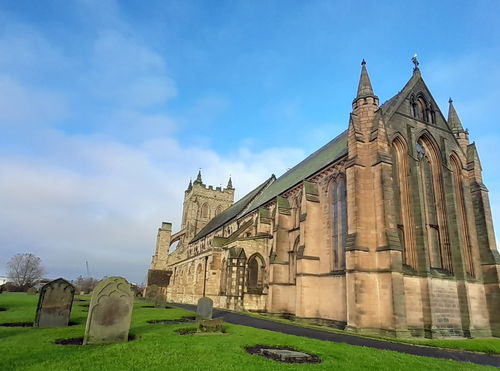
(25, 269)
(86, 284)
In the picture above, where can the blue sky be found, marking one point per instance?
(107, 108)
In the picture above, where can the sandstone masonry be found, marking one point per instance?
(387, 228)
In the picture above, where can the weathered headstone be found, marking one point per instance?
(54, 304)
(204, 308)
(110, 312)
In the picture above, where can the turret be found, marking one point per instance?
(363, 110)
(229, 183)
(456, 127)
(198, 178)
(162, 245)
(365, 95)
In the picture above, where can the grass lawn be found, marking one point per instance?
(160, 347)
(484, 345)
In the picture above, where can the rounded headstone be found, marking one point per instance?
(110, 312)
(54, 304)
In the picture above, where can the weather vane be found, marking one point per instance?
(415, 62)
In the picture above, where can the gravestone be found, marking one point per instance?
(54, 304)
(204, 308)
(110, 312)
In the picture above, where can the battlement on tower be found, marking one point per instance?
(203, 202)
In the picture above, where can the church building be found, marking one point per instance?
(385, 229)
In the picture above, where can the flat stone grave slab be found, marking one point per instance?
(54, 304)
(287, 355)
(283, 354)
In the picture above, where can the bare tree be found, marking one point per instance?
(85, 284)
(25, 269)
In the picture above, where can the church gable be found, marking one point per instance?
(415, 102)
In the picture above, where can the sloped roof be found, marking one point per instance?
(231, 212)
(324, 156)
(268, 190)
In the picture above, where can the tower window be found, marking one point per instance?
(205, 211)
(218, 210)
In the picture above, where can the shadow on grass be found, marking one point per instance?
(79, 340)
(30, 324)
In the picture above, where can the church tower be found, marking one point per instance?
(202, 203)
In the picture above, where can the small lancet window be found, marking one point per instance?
(204, 211)
(421, 109)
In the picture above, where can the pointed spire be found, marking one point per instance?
(190, 185)
(364, 86)
(453, 119)
(230, 183)
(198, 178)
(365, 97)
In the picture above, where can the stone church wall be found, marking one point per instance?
(445, 308)
(413, 304)
(478, 316)
(393, 236)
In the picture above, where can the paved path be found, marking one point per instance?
(240, 319)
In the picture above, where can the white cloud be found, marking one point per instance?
(102, 201)
(22, 105)
(26, 52)
(125, 72)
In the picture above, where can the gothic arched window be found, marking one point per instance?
(339, 222)
(462, 214)
(403, 202)
(422, 109)
(434, 204)
(205, 211)
(218, 210)
(255, 273)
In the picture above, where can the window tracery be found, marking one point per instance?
(421, 109)
(434, 205)
(403, 201)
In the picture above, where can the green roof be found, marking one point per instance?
(268, 190)
(323, 157)
(231, 212)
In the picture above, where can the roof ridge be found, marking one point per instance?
(220, 219)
